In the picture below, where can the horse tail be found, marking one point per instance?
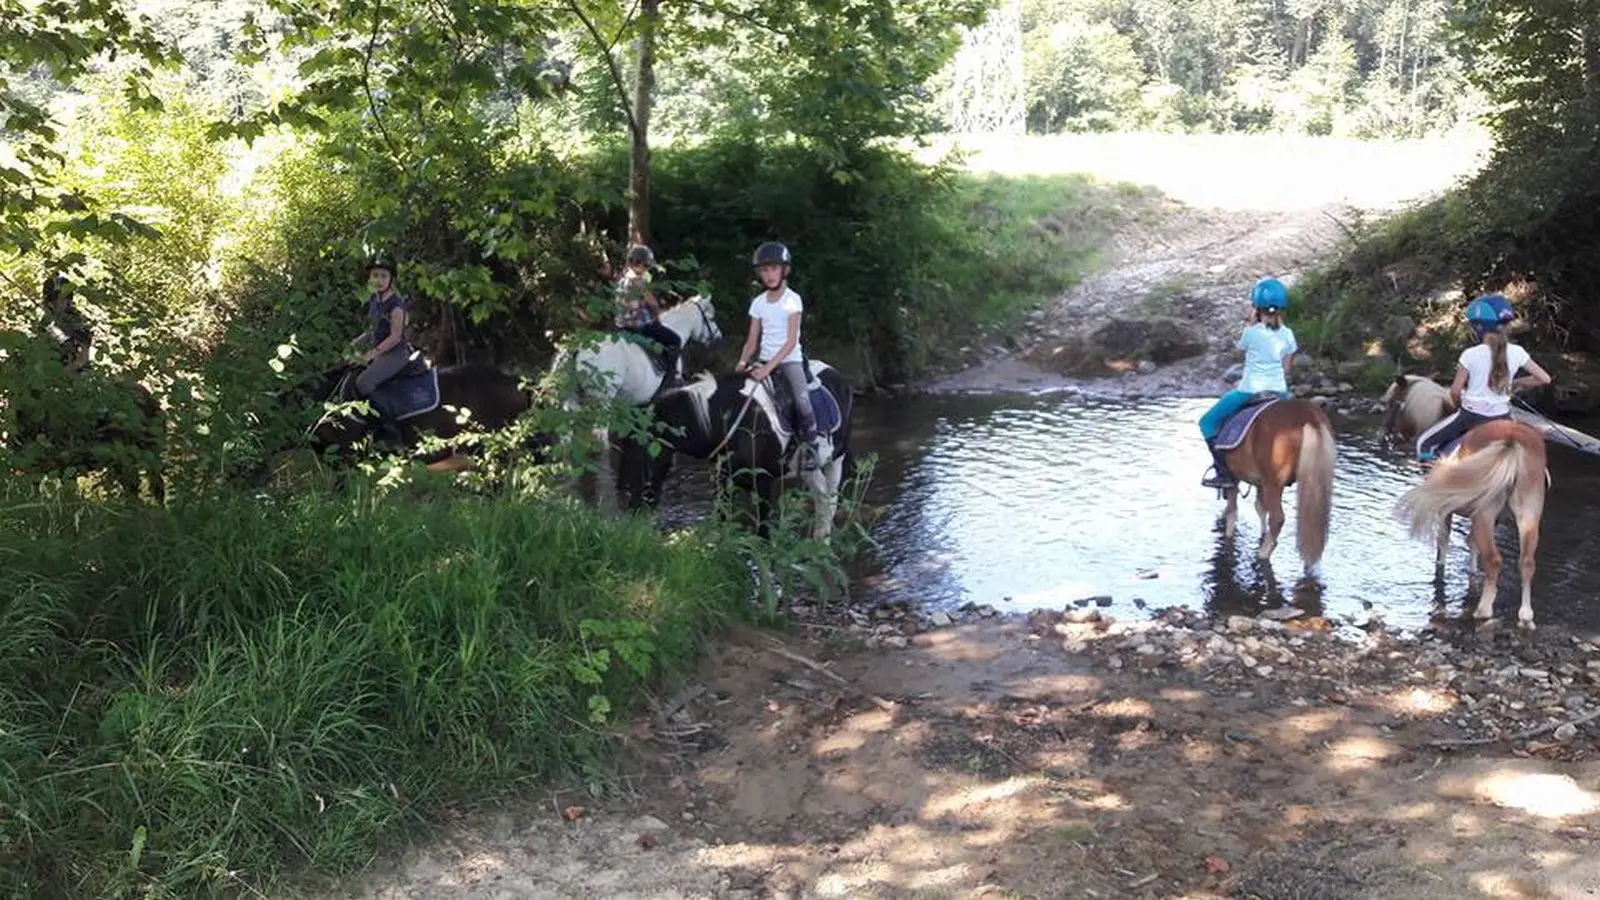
(1314, 494)
(1482, 481)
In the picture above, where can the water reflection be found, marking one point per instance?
(1030, 502)
(1038, 502)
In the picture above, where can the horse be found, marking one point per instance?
(617, 366)
(125, 439)
(422, 398)
(1273, 444)
(1497, 464)
(730, 417)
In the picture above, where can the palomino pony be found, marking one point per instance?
(729, 416)
(618, 367)
(1284, 442)
(1497, 464)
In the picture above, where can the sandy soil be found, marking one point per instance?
(986, 761)
(1240, 207)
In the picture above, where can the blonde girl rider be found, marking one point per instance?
(1484, 379)
(1269, 348)
(775, 331)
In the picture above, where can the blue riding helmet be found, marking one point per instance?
(1490, 311)
(1269, 293)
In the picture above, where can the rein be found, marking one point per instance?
(748, 399)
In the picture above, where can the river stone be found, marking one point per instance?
(1159, 340)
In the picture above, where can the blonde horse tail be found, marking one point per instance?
(1314, 493)
(1482, 481)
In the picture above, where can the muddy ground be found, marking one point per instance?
(1075, 758)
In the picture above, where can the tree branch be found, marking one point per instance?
(611, 65)
(742, 16)
(366, 85)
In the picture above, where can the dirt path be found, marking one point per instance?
(1238, 208)
(986, 760)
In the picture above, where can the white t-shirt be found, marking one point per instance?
(1478, 361)
(774, 317)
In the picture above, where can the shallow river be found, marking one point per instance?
(1036, 502)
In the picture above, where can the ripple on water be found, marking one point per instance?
(1037, 502)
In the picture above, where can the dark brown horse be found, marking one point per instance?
(1290, 443)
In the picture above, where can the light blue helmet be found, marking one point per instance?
(1269, 293)
(1490, 312)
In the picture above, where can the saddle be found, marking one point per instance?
(824, 406)
(653, 350)
(410, 393)
(1238, 425)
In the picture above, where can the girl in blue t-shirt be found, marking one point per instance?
(1269, 349)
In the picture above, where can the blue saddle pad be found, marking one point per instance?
(406, 395)
(826, 410)
(1238, 425)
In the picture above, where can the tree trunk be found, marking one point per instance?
(643, 93)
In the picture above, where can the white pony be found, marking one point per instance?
(617, 367)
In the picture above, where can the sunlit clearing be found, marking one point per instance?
(1358, 753)
(1540, 794)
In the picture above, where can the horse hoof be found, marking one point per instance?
(1526, 625)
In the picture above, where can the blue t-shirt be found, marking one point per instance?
(1264, 351)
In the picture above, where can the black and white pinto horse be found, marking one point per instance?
(748, 425)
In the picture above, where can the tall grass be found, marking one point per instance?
(197, 699)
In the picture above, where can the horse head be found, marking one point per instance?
(1412, 405)
(695, 319)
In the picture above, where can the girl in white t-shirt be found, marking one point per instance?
(775, 332)
(1485, 376)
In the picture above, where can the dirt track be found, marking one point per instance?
(1239, 208)
(984, 761)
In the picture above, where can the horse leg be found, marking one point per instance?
(1527, 504)
(1489, 556)
(1442, 548)
(1230, 515)
(1269, 503)
(823, 482)
(605, 478)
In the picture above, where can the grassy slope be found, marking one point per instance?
(209, 696)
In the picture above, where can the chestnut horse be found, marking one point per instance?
(1497, 464)
(1290, 443)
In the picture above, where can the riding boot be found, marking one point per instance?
(388, 434)
(1222, 477)
(669, 361)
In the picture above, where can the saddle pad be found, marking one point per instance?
(1238, 425)
(652, 349)
(407, 396)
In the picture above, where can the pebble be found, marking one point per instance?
(1566, 732)
(941, 619)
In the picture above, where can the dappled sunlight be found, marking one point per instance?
(1183, 695)
(1419, 701)
(1124, 707)
(1414, 812)
(950, 645)
(1057, 686)
(1509, 886)
(964, 799)
(854, 733)
(1313, 722)
(1355, 754)
(1200, 753)
(1541, 794)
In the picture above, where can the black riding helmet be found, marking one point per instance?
(772, 252)
(385, 262)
